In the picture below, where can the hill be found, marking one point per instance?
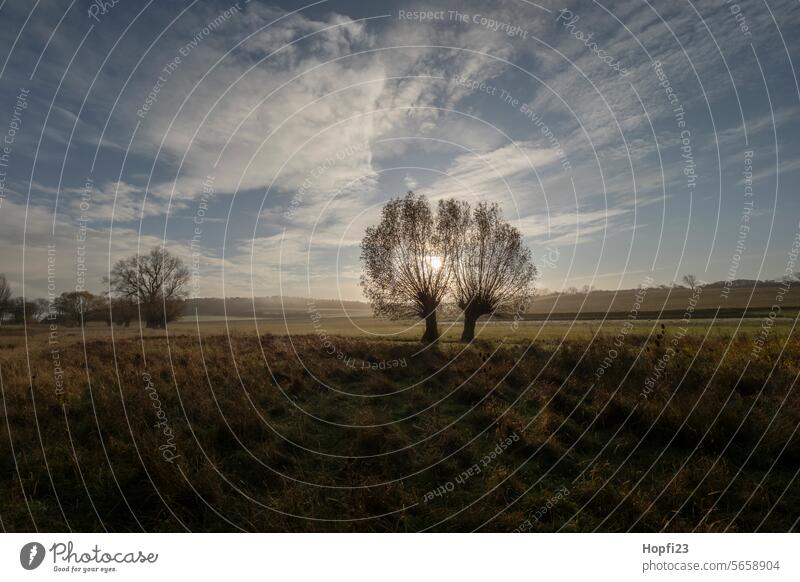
(270, 306)
(753, 300)
(656, 302)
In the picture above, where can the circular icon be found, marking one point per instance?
(31, 555)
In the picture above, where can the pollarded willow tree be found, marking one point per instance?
(407, 261)
(493, 270)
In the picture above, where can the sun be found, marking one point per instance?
(434, 261)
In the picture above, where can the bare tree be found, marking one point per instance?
(5, 296)
(493, 271)
(21, 311)
(155, 282)
(41, 309)
(407, 261)
(690, 281)
(120, 311)
(14, 309)
(76, 307)
(115, 310)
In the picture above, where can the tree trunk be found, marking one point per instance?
(431, 328)
(470, 319)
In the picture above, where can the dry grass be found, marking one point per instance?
(265, 446)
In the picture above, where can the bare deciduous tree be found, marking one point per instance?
(21, 311)
(493, 271)
(690, 281)
(5, 295)
(407, 261)
(120, 311)
(75, 307)
(42, 309)
(155, 282)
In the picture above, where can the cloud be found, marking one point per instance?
(316, 118)
(29, 236)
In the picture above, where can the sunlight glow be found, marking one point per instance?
(434, 262)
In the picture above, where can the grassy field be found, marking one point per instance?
(549, 427)
(15, 340)
(551, 317)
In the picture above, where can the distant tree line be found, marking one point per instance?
(688, 281)
(150, 287)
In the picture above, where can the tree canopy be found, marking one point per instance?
(414, 258)
(407, 261)
(493, 270)
(155, 282)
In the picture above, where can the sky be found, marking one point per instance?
(257, 141)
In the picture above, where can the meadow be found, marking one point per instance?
(348, 424)
(551, 317)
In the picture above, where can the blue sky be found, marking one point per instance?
(616, 135)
